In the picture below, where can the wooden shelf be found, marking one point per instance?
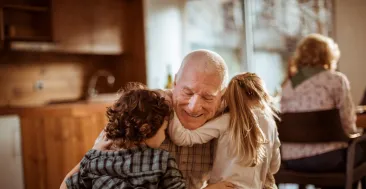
(29, 39)
(27, 8)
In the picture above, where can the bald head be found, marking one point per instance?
(198, 87)
(205, 62)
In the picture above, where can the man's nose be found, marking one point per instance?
(194, 105)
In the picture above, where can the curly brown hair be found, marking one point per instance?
(316, 50)
(136, 116)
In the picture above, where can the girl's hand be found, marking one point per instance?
(102, 143)
(221, 185)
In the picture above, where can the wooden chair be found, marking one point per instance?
(363, 101)
(318, 127)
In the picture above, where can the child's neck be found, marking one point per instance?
(115, 146)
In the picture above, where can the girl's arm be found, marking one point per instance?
(185, 137)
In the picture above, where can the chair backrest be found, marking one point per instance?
(311, 127)
(363, 101)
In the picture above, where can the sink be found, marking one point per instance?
(106, 97)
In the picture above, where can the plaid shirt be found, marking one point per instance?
(194, 162)
(140, 167)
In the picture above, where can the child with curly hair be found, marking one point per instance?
(135, 130)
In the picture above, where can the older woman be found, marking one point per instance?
(317, 86)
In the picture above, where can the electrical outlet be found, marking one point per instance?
(38, 85)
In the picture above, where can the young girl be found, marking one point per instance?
(247, 153)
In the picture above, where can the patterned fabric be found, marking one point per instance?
(140, 167)
(194, 162)
(323, 91)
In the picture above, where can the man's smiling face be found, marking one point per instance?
(196, 95)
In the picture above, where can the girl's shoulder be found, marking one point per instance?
(266, 120)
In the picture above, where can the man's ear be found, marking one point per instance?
(223, 92)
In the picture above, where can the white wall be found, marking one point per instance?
(164, 39)
(350, 17)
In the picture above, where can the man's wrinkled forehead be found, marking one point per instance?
(192, 69)
(201, 82)
(202, 90)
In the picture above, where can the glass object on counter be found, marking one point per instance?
(169, 83)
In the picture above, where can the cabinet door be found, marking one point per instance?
(1, 28)
(107, 26)
(88, 26)
(73, 25)
(11, 167)
(53, 145)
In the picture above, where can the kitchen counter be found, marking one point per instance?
(65, 109)
(55, 137)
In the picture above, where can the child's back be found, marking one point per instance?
(242, 175)
(137, 167)
(225, 166)
(136, 124)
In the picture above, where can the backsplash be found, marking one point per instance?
(31, 79)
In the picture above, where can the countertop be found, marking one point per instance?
(65, 109)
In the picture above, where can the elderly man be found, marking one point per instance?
(197, 97)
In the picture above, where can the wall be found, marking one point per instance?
(66, 71)
(350, 34)
(60, 77)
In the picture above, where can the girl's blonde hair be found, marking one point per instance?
(245, 93)
(316, 50)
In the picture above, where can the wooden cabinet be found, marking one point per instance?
(69, 26)
(25, 20)
(107, 27)
(72, 26)
(55, 138)
(88, 26)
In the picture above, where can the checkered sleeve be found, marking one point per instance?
(75, 182)
(172, 179)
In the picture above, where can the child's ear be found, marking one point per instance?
(169, 117)
(145, 129)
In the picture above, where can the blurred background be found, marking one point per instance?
(62, 61)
